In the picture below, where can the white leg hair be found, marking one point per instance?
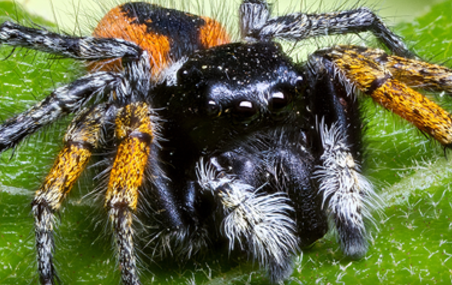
(258, 222)
(346, 192)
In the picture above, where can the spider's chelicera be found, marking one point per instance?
(222, 142)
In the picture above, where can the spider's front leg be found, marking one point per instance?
(82, 137)
(386, 78)
(134, 130)
(134, 133)
(347, 195)
(336, 74)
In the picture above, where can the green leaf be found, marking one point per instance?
(413, 243)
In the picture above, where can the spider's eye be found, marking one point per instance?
(213, 109)
(245, 111)
(278, 101)
(299, 84)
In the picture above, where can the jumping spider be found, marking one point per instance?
(214, 141)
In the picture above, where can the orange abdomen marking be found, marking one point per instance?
(166, 34)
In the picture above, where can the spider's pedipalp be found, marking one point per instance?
(259, 223)
(84, 48)
(82, 137)
(62, 101)
(346, 192)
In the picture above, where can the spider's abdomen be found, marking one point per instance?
(166, 34)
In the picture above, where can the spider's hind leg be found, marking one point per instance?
(64, 100)
(84, 48)
(256, 24)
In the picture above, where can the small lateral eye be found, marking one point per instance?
(299, 83)
(278, 101)
(213, 109)
(245, 110)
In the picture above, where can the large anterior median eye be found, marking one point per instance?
(245, 111)
(213, 109)
(278, 101)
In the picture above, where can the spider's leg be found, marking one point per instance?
(85, 48)
(336, 143)
(82, 137)
(257, 222)
(414, 73)
(256, 24)
(357, 71)
(62, 101)
(134, 130)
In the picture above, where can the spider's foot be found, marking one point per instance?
(44, 223)
(353, 242)
(122, 220)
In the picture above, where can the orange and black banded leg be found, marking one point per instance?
(82, 137)
(134, 130)
(414, 73)
(355, 70)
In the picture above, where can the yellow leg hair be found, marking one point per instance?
(134, 129)
(83, 135)
(378, 81)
